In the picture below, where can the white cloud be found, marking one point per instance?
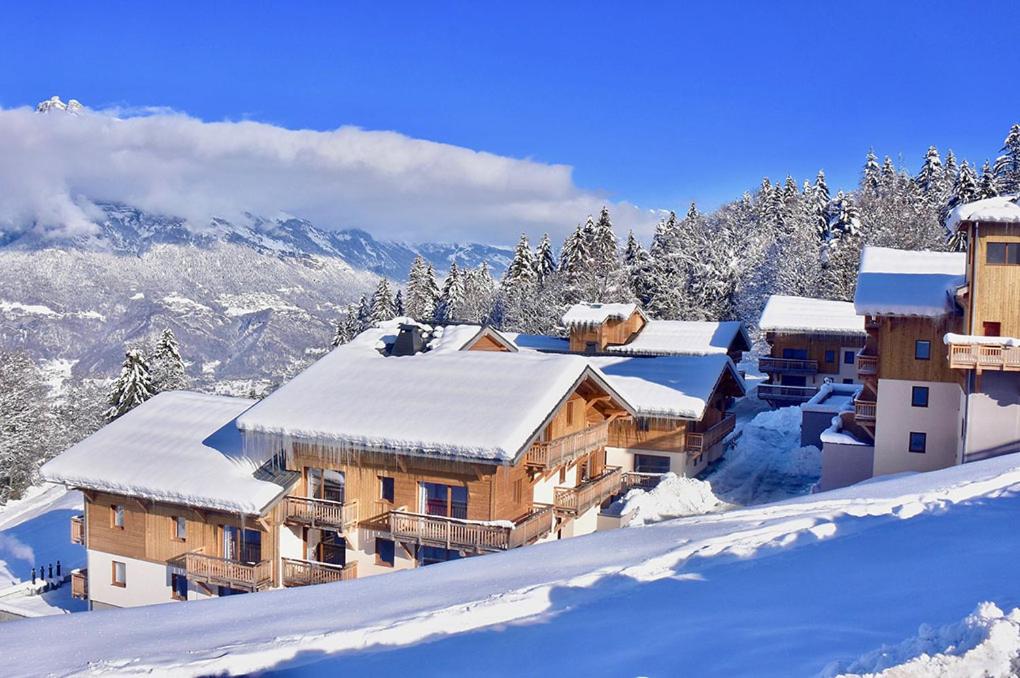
(392, 185)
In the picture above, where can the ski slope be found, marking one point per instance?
(804, 587)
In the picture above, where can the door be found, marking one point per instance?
(326, 484)
(992, 329)
(332, 548)
(242, 545)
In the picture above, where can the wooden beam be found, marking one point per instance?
(265, 525)
(595, 401)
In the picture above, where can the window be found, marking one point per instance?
(992, 329)
(386, 489)
(848, 381)
(830, 356)
(570, 413)
(117, 516)
(849, 357)
(563, 474)
(590, 347)
(919, 396)
(178, 587)
(444, 500)
(918, 442)
(180, 527)
(223, 591)
(922, 349)
(650, 463)
(119, 577)
(429, 555)
(385, 552)
(1003, 254)
(518, 490)
(795, 353)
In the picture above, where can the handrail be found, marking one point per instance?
(865, 410)
(577, 500)
(78, 529)
(699, 441)
(312, 511)
(218, 570)
(645, 481)
(569, 447)
(780, 392)
(984, 356)
(787, 365)
(867, 364)
(80, 584)
(301, 572)
(458, 533)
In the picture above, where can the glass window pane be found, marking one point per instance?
(1013, 253)
(917, 442)
(922, 349)
(996, 253)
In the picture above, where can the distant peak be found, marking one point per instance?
(73, 106)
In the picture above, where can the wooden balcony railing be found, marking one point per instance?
(474, 535)
(984, 357)
(867, 365)
(77, 529)
(787, 394)
(699, 442)
(199, 567)
(865, 410)
(321, 512)
(567, 448)
(298, 572)
(576, 500)
(787, 365)
(644, 481)
(80, 584)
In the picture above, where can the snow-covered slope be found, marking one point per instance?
(811, 585)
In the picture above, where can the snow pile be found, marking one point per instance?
(685, 337)
(178, 447)
(666, 386)
(819, 316)
(907, 282)
(675, 496)
(766, 462)
(1001, 209)
(986, 643)
(966, 339)
(586, 315)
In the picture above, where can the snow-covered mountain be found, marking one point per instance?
(249, 301)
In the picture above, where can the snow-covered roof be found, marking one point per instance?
(907, 282)
(666, 386)
(462, 337)
(538, 342)
(817, 316)
(596, 314)
(833, 398)
(178, 447)
(685, 337)
(1001, 209)
(477, 405)
(966, 339)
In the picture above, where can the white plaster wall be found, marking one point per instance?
(993, 414)
(678, 462)
(844, 465)
(586, 523)
(146, 583)
(364, 555)
(896, 418)
(291, 543)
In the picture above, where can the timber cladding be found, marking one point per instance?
(896, 344)
(994, 288)
(613, 332)
(816, 345)
(149, 531)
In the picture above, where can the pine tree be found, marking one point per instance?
(420, 301)
(988, 184)
(545, 263)
(1007, 165)
(364, 314)
(604, 254)
(575, 267)
(522, 270)
(398, 303)
(965, 190)
(24, 423)
(451, 300)
(383, 308)
(951, 172)
(871, 178)
(168, 372)
(888, 176)
(347, 327)
(132, 388)
(819, 206)
(931, 179)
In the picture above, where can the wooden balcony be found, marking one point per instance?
(982, 357)
(702, 441)
(298, 572)
(787, 366)
(198, 567)
(321, 513)
(867, 365)
(865, 410)
(787, 395)
(562, 450)
(644, 481)
(472, 535)
(77, 529)
(80, 584)
(574, 501)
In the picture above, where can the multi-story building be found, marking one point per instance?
(812, 342)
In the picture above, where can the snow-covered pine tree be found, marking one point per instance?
(168, 372)
(575, 267)
(888, 176)
(988, 184)
(950, 170)
(545, 262)
(931, 180)
(479, 294)
(965, 190)
(24, 423)
(132, 388)
(398, 303)
(347, 327)
(819, 205)
(419, 303)
(382, 303)
(604, 250)
(522, 270)
(451, 300)
(588, 233)
(364, 314)
(1007, 165)
(872, 175)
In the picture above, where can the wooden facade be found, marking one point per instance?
(613, 332)
(993, 290)
(816, 346)
(896, 342)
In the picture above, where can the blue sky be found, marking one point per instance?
(653, 103)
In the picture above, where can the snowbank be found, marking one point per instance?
(818, 316)
(986, 643)
(675, 496)
(907, 282)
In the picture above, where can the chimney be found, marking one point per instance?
(409, 341)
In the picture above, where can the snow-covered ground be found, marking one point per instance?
(36, 531)
(810, 585)
(674, 497)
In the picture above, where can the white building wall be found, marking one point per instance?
(896, 418)
(364, 554)
(586, 523)
(146, 583)
(678, 461)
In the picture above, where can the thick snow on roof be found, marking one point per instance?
(178, 447)
(802, 314)
(478, 405)
(596, 314)
(1001, 209)
(907, 282)
(665, 386)
(684, 337)
(538, 342)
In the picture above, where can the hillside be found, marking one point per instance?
(824, 584)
